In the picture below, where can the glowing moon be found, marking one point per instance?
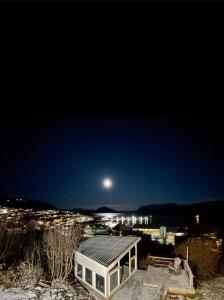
(107, 183)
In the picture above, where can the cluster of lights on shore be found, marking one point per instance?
(133, 220)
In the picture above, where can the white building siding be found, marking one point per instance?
(90, 264)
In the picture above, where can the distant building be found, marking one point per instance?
(159, 234)
(104, 263)
(154, 232)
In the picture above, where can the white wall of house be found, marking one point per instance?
(90, 264)
(95, 267)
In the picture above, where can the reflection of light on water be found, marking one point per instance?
(123, 218)
(108, 215)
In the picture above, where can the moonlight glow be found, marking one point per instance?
(107, 183)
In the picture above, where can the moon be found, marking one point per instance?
(107, 183)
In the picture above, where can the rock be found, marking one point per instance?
(70, 295)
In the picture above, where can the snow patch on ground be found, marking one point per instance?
(57, 291)
(15, 294)
(210, 290)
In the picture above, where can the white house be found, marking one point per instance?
(104, 263)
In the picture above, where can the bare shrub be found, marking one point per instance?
(7, 242)
(30, 270)
(8, 278)
(25, 274)
(203, 256)
(59, 245)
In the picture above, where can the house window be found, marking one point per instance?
(89, 276)
(113, 281)
(111, 270)
(79, 270)
(124, 267)
(100, 283)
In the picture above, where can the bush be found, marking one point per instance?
(25, 274)
(31, 270)
(7, 242)
(59, 246)
(8, 278)
(203, 256)
(13, 242)
(31, 255)
(150, 261)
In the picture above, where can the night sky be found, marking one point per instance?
(62, 160)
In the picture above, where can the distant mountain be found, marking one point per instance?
(210, 213)
(105, 209)
(25, 203)
(155, 207)
(77, 210)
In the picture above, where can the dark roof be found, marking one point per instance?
(106, 249)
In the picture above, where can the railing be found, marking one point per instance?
(189, 273)
(161, 261)
(165, 261)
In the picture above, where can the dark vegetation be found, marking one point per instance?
(204, 256)
(35, 255)
(147, 247)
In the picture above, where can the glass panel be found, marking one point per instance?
(132, 251)
(79, 270)
(124, 267)
(113, 281)
(89, 276)
(132, 265)
(100, 283)
(114, 268)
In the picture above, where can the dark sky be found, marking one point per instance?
(62, 160)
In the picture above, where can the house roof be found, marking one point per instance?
(106, 249)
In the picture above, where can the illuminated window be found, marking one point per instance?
(100, 283)
(79, 270)
(89, 276)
